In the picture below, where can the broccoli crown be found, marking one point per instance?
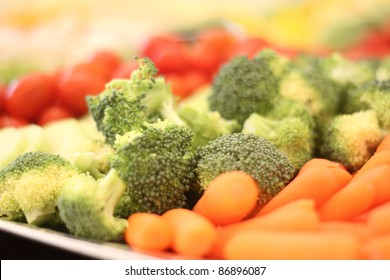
(292, 135)
(86, 206)
(351, 139)
(157, 166)
(377, 97)
(30, 185)
(242, 87)
(314, 91)
(278, 64)
(126, 104)
(206, 125)
(249, 153)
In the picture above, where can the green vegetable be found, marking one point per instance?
(157, 166)
(126, 104)
(86, 206)
(29, 186)
(242, 87)
(247, 152)
(351, 139)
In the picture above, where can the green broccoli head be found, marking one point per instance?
(351, 139)
(249, 153)
(86, 206)
(243, 86)
(126, 104)
(278, 63)
(377, 97)
(206, 125)
(157, 166)
(314, 91)
(29, 186)
(291, 135)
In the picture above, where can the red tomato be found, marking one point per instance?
(75, 85)
(2, 98)
(7, 121)
(212, 47)
(53, 113)
(250, 47)
(168, 53)
(178, 85)
(27, 96)
(106, 59)
(183, 85)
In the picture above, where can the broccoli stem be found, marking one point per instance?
(111, 189)
(40, 216)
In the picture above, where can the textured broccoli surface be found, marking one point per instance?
(157, 165)
(86, 206)
(244, 86)
(249, 153)
(351, 139)
(29, 186)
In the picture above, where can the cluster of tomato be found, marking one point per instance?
(186, 62)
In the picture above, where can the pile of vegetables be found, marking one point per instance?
(275, 152)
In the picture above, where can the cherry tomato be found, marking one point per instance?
(53, 113)
(12, 121)
(27, 96)
(75, 85)
(168, 53)
(250, 47)
(211, 48)
(183, 85)
(107, 60)
(2, 97)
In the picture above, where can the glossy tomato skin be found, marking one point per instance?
(27, 96)
(75, 84)
(3, 89)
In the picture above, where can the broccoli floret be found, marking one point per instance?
(249, 153)
(244, 86)
(278, 63)
(157, 165)
(205, 124)
(86, 206)
(383, 70)
(377, 97)
(292, 135)
(126, 104)
(94, 158)
(351, 139)
(314, 91)
(29, 186)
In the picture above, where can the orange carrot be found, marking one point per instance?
(298, 215)
(318, 183)
(384, 145)
(366, 191)
(377, 248)
(149, 232)
(282, 245)
(382, 158)
(359, 230)
(194, 235)
(229, 198)
(315, 162)
(378, 220)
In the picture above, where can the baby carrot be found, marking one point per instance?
(229, 198)
(357, 229)
(366, 191)
(283, 245)
(318, 183)
(378, 220)
(382, 158)
(377, 248)
(298, 215)
(194, 235)
(384, 145)
(314, 162)
(148, 231)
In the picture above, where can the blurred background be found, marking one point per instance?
(51, 33)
